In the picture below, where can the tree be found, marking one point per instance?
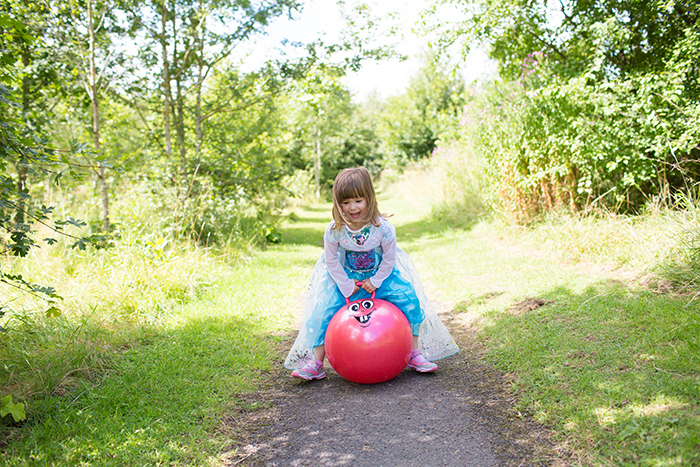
(598, 104)
(243, 154)
(23, 150)
(323, 106)
(413, 122)
(83, 37)
(28, 66)
(191, 38)
(619, 38)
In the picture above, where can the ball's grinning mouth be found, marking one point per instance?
(364, 319)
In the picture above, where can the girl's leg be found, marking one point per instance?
(314, 369)
(400, 293)
(320, 352)
(336, 303)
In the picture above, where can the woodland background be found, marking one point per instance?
(595, 106)
(131, 137)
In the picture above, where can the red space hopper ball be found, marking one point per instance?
(368, 341)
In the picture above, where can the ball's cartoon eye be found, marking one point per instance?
(367, 304)
(355, 307)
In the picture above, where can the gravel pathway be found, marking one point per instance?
(462, 415)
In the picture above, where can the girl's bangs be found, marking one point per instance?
(351, 187)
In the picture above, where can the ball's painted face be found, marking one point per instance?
(362, 311)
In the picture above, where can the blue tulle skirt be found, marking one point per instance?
(402, 288)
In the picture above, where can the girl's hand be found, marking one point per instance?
(367, 285)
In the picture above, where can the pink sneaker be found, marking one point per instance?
(419, 363)
(312, 370)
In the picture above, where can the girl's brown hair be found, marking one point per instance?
(354, 183)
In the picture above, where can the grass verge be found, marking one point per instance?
(567, 314)
(150, 384)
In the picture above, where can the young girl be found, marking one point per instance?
(360, 247)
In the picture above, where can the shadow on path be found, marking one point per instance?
(458, 416)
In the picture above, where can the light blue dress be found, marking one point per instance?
(370, 253)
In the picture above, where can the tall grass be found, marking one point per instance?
(459, 195)
(681, 265)
(108, 295)
(661, 244)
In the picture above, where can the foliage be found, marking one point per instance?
(412, 123)
(598, 106)
(23, 150)
(359, 145)
(242, 158)
(617, 38)
(7, 407)
(330, 132)
(319, 109)
(23, 154)
(579, 144)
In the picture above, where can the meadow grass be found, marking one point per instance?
(565, 308)
(159, 394)
(156, 344)
(159, 341)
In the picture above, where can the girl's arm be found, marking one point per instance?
(388, 257)
(335, 269)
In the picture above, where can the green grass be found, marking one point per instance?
(612, 369)
(158, 343)
(163, 393)
(152, 385)
(607, 362)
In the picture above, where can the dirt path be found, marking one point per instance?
(459, 416)
(462, 415)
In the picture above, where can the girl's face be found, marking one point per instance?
(354, 210)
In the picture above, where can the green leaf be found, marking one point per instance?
(53, 312)
(631, 430)
(7, 407)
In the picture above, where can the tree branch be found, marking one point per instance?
(37, 219)
(224, 109)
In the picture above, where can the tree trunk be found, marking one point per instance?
(198, 118)
(317, 164)
(180, 123)
(166, 81)
(179, 107)
(22, 173)
(94, 91)
(22, 170)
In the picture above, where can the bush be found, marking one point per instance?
(581, 144)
